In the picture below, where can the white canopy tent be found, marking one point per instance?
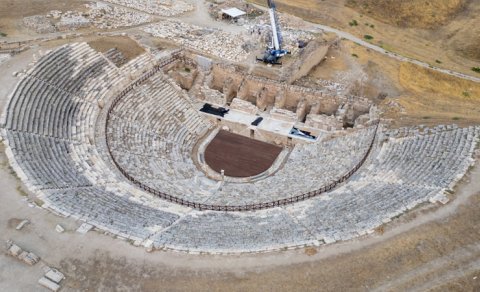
(233, 12)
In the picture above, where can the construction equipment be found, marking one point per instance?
(274, 51)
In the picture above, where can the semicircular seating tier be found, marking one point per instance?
(54, 130)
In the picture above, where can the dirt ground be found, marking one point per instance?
(129, 48)
(13, 11)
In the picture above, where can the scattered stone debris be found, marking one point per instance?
(149, 245)
(106, 16)
(55, 275)
(25, 256)
(72, 21)
(45, 282)
(4, 58)
(84, 228)
(59, 228)
(211, 41)
(22, 224)
(159, 7)
(100, 15)
(39, 23)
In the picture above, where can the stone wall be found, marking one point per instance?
(267, 93)
(225, 83)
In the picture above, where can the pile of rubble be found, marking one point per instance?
(162, 7)
(106, 16)
(100, 15)
(25, 256)
(72, 20)
(52, 279)
(211, 41)
(4, 57)
(39, 23)
(292, 37)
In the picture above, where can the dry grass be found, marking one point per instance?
(129, 48)
(434, 98)
(310, 251)
(13, 11)
(410, 13)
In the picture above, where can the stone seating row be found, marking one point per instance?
(429, 160)
(234, 232)
(46, 161)
(109, 211)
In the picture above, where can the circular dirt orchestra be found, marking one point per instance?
(240, 156)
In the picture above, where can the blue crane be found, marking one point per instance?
(274, 51)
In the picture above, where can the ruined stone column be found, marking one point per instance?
(229, 89)
(280, 99)
(315, 109)
(301, 110)
(262, 99)
(243, 90)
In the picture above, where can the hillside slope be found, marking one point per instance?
(410, 13)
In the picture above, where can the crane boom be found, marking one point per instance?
(273, 21)
(274, 52)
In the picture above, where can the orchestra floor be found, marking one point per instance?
(240, 156)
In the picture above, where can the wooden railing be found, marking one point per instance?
(200, 206)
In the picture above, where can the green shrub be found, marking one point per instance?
(368, 37)
(355, 55)
(2, 34)
(353, 23)
(476, 69)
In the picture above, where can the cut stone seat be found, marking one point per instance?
(230, 232)
(55, 72)
(427, 160)
(46, 160)
(117, 214)
(52, 144)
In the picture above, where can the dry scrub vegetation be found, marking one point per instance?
(432, 97)
(410, 13)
